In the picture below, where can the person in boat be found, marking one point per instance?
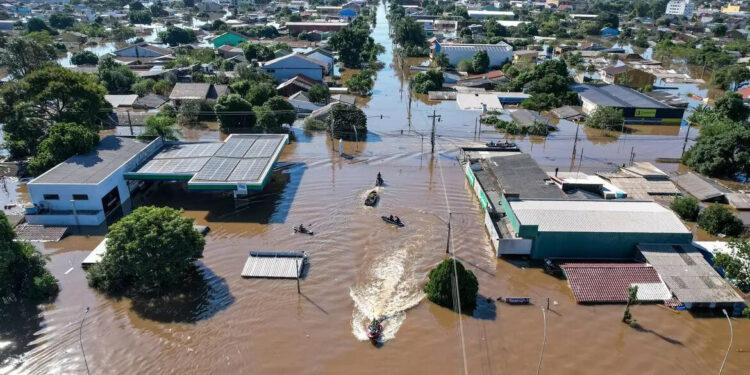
(374, 325)
(380, 178)
(302, 228)
(398, 221)
(390, 218)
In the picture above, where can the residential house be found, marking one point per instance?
(481, 14)
(627, 76)
(230, 38)
(119, 101)
(731, 9)
(525, 57)
(348, 14)
(324, 56)
(150, 101)
(609, 31)
(296, 84)
(683, 8)
(196, 92)
(486, 80)
(228, 51)
(299, 27)
(143, 53)
(288, 66)
(745, 94)
(499, 53)
(209, 6)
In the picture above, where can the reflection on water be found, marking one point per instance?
(19, 324)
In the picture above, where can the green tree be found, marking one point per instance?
(430, 80)
(266, 120)
(480, 63)
(37, 24)
(716, 219)
(142, 17)
(360, 83)
(143, 86)
(354, 46)
(149, 252)
(686, 207)
(175, 36)
(442, 60)
(161, 126)
(282, 109)
(257, 51)
(61, 21)
(319, 93)
(84, 57)
(234, 112)
(22, 271)
(347, 121)
(29, 107)
(21, 56)
(163, 87)
(731, 106)
(719, 30)
(157, 10)
(632, 300)
(409, 33)
(118, 79)
(312, 123)
(189, 112)
(609, 118)
(736, 264)
(448, 276)
(258, 94)
(722, 150)
(729, 77)
(64, 140)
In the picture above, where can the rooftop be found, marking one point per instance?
(687, 274)
(111, 153)
(609, 282)
(600, 216)
(519, 174)
(699, 187)
(616, 96)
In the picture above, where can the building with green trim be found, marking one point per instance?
(229, 38)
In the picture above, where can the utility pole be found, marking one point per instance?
(432, 135)
(575, 142)
(684, 144)
(448, 241)
(130, 122)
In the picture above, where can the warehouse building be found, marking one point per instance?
(637, 108)
(87, 189)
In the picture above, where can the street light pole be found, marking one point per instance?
(544, 341)
(731, 339)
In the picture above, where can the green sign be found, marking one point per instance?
(645, 112)
(470, 175)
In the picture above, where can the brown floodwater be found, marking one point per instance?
(361, 268)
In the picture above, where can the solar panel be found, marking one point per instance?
(167, 166)
(263, 147)
(189, 150)
(217, 169)
(236, 147)
(249, 169)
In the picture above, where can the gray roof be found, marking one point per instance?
(527, 117)
(566, 112)
(189, 91)
(601, 216)
(519, 173)
(615, 96)
(150, 101)
(111, 153)
(740, 201)
(698, 187)
(687, 274)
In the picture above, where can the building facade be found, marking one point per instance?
(680, 8)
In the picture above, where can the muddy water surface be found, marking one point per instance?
(361, 268)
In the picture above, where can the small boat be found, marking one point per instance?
(379, 181)
(515, 300)
(492, 144)
(372, 198)
(394, 222)
(374, 331)
(303, 231)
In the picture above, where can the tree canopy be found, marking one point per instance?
(736, 264)
(257, 51)
(162, 125)
(608, 118)
(149, 252)
(118, 79)
(64, 140)
(319, 93)
(234, 112)
(440, 287)
(31, 106)
(61, 20)
(22, 271)
(176, 36)
(347, 121)
(722, 149)
(430, 80)
(360, 82)
(84, 57)
(731, 106)
(284, 111)
(20, 56)
(355, 46)
(716, 219)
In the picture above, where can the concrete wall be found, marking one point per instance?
(596, 244)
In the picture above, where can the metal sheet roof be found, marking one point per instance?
(652, 291)
(616, 96)
(478, 101)
(602, 216)
(687, 273)
(274, 265)
(698, 187)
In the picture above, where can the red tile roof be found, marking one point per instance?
(606, 282)
(745, 92)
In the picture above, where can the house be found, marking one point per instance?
(209, 6)
(589, 46)
(196, 92)
(481, 14)
(525, 57)
(118, 101)
(150, 101)
(731, 9)
(637, 108)
(627, 76)
(229, 38)
(499, 53)
(298, 83)
(485, 80)
(228, 51)
(683, 8)
(348, 14)
(323, 55)
(6, 26)
(608, 31)
(295, 28)
(745, 94)
(143, 53)
(288, 66)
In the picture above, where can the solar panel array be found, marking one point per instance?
(241, 158)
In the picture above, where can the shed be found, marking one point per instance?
(700, 188)
(121, 100)
(475, 101)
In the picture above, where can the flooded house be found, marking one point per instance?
(637, 108)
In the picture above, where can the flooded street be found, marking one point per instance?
(361, 268)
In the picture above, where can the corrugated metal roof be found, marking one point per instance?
(274, 265)
(602, 216)
(653, 291)
(615, 96)
(687, 274)
(698, 187)
(476, 101)
(607, 282)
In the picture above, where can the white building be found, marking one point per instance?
(680, 8)
(499, 53)
(491, 13)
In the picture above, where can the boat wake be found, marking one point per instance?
(388, 290)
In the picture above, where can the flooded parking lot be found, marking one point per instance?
(361, 268)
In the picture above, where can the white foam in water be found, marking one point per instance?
(389, 290)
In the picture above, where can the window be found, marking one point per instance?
(80, 197)
(51, 197)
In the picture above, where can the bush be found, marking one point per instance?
(686, 207)
(148, 252)
(716, 219)
(319, 93)
(314, 124)
(347, 121)
(143, 86)
(360, 83)
(736, 264)
(430, 80)
(439, 288)
(608, 118)
(84, 58)
(465, 66)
